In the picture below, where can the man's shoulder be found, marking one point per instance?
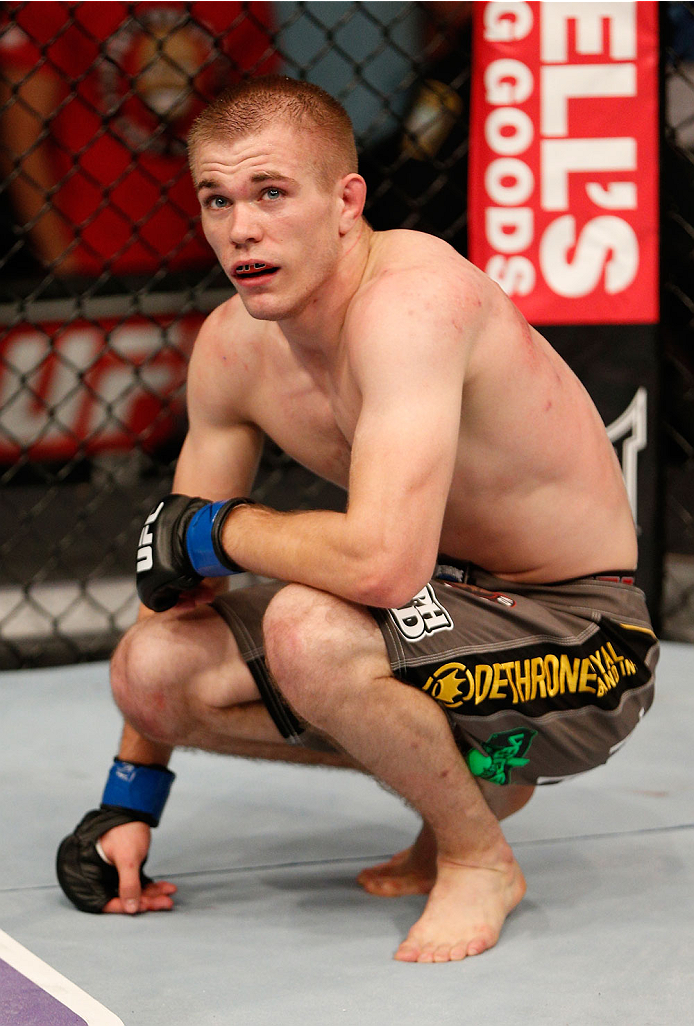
(408, 244)
(412, 272)
(226, 347)
(403, 259)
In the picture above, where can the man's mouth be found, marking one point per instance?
(256, 269)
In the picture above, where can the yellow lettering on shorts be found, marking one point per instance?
(482, 670)
(617, 659)
(586, 675)
(609, 661)
(500, 681)
(552, 675)
(519, 681)
(604, 680)
(537, 677)
(568, 673)
(522, 680)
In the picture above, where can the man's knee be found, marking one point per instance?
(144, 680)
(295, 631)
(316, 643)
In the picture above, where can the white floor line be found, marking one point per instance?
(51, 981)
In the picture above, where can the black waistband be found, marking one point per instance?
(615, 576)
(464, 572)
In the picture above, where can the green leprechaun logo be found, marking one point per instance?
(504, 752)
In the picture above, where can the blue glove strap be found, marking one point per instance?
(141, 788)
(199, 542)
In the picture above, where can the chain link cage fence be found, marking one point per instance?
(105, 278)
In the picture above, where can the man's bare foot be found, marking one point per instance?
(412, 871)
(465, 912)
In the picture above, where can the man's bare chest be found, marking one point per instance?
(308, 421)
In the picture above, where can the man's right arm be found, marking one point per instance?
(219, 458)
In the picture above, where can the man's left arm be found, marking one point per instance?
(409, 375)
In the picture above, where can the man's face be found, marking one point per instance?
(274, 229)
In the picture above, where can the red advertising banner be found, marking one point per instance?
(563, 199)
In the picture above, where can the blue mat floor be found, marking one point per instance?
(270, 927)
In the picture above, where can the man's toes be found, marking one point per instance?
(426, 953)
(482, 942)
(444, 954)
(382, 887)
(458, 952)
(476, 947)
(407, 952)
(395, 886)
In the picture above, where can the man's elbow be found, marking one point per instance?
(389, 583)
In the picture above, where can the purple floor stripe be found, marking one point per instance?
(24, 1003)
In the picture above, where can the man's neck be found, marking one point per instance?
(317, 328)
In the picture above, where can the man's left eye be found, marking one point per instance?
(273, 192)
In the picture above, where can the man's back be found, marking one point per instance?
(538, 492)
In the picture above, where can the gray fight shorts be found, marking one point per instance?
(539, 682)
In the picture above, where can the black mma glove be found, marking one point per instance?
(180, 544)
(87, 880)
(133, 793)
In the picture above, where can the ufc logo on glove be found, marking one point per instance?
(145, 560)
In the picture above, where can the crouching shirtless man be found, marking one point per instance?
(469, 627)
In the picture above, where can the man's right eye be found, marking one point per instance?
(215, 202)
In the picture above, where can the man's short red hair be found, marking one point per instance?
(255, 104)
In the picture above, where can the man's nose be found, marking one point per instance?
(244, 226)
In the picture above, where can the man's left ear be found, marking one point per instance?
(352, 197)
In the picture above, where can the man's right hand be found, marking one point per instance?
(180, 545)
(126, 847)
(110, 880)
(164, 569)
